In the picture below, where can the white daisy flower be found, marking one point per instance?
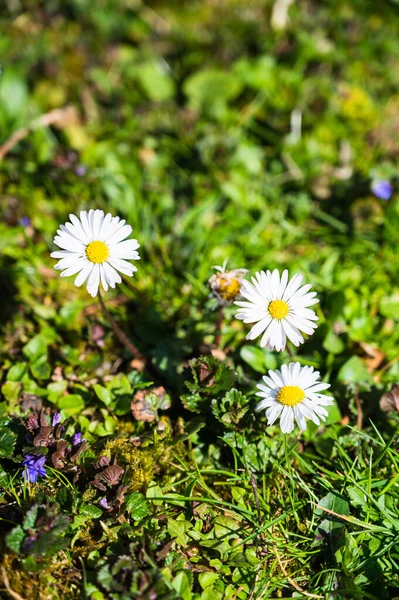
(278, 307)
(293, 393)
(93, 247)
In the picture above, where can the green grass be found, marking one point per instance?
(181, 124)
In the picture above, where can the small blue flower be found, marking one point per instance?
(56, 419)
(34, 466)
(77, 438)
(382, 189)
(104, 503)
(25, 221)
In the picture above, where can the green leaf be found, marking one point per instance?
(254, 357)
(102, 393)
(120, 384)
(226, 527)
(41, 368)
(334, 414)
(13, 93)
(177, 529)
(122, 564)
(56, 389)
(191, 402)
(14, 539)
(210, 87)
(35, 348)
(207, 579)
(154, 491)
(45, 312)
(17, 371)
(333, 343)
(70, 312)
(105, 578)
(93, 592)
(122, 404)
(4, 478)
(331, 523)
(11, 391)
(191, 428)
(30, 517)
(71, 404)
(353, 371)
(79, 521)
(334, 502)
(30, 565)
(7, 442)
(72, 355)
(358, 498)
(156, 81)
(211, 378)
(182, 584)
(91, 511)
(257, 453)
(50, 542)
(136, 506)
(251, 556)
(389, 306)
(231, 409)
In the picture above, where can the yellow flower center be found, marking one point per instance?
(278, 309)
(97, 252)
(290, 395)
(228, 288)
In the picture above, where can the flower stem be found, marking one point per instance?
(290, 353)
(119, 333)
(219, 321)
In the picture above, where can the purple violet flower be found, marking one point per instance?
(104, 503)
(382, 189)
(77, 439)
(34, 466)
(80, 170)
(56, 419)
(25, 221)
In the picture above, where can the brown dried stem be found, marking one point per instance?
(8, 587)
(120, 334)
(60, 117)
(359, 419)
(290, 580)
(219, 322)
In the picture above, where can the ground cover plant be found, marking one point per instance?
(138, 456)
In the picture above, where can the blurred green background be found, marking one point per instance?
(265, 132)
(219, 129)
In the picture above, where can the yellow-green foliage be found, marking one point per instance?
(357, 105)
(89, 494)
(57, 580)
(140, 463)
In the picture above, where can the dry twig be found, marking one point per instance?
(290, 580)
(60, 117)
(8, 587)
(120, 334)
(359, 420)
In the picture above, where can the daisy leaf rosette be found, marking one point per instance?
(279, 307)
(95, 247)
(293, 394)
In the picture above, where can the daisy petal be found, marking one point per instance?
(283, 302)
(273, 413)
(286, 394)
(287, 420)
(83, 275)
(107, 255)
